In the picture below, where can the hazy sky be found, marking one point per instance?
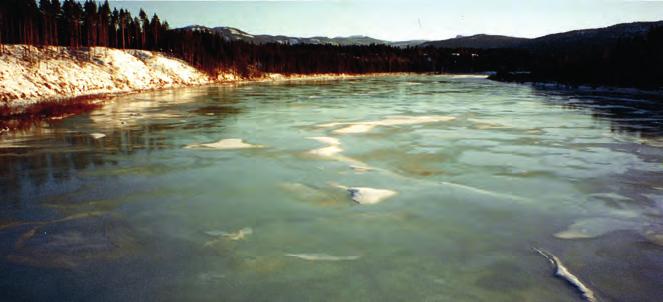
(401, 19)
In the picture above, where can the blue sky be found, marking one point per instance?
(401, 19)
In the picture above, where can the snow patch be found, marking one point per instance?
(29, 74)
(363, 127)
(333, 150)
(224, 144)
(239, 33)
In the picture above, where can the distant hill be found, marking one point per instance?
(410, 43)
(576, 38)
(478, 41)
(234, 34)
(589, 37)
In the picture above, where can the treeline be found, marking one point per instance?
(75, 24)
(636, 62)
(210, 52)
(627, 62)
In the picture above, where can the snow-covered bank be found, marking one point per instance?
(37, 75)
(29, 75)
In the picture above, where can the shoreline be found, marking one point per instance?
(22, 114)
(580, 87)
(53, 81)
(8, 110)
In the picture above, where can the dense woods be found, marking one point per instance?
(75, 24)
(627, 62)
(633, 62)
(636, 61)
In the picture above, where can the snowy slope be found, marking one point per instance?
(234, 34)
(29, 75)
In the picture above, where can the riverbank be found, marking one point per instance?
(47, 81)
(31, 75)
(527, 78)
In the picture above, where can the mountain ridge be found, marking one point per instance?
(573, 38)
(589, 36)
(593, 36)
(477, 41)
(235, 34)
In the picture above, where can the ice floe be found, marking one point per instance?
(367, 196)
(563, 272)
(363, 127)
(596, 227)
(327, 140)
(327, 151)
(484, 192)
(322, 257)
(225, 144)
(333, 150)
(353, 129)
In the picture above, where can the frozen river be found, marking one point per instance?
(400, 188)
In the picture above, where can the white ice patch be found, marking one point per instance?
(322, 257)
(225, 144)
(363, 127)
(97, 135)
(596, 227)
(367, 196)
(327, 140)
(485, 192)
(327, 151)
(333, 149)
(354, 129)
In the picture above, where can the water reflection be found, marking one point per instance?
(631, 113)
(43, 159)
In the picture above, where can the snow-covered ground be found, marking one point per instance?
(29, 75)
